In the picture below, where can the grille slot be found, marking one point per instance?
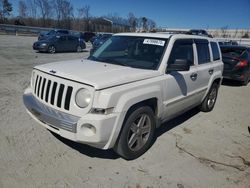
(39, 83)
(59, 99)
(52, 99)
(68, 96)
(44, 81)
(53, 92)
(47, 91)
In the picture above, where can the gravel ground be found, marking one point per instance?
(194, 150)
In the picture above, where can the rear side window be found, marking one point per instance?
(215, 50)
(232, 52)
(182, 49)
(203, 51)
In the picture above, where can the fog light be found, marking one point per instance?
(88, 130)
(101, 111)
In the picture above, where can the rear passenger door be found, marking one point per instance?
(205, 67)
(62, 43)
(72, 43)
(181, 86)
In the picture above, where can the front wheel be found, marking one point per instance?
(52, 49)
(137, 133)
(208, 103)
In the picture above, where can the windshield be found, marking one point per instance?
(136, 52)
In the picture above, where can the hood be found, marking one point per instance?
(97, 74)
(44, 40)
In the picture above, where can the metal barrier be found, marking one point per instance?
(18, 29)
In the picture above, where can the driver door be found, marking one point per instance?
(181, 86)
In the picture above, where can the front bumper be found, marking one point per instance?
(40, 48)
(90, 129)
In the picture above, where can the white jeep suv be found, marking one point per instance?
(119, 95)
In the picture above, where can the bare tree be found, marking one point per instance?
(132, 21)
(235, 33)
(144, 23)
(224, 31)
(151, 25)
(84, 13)
(31, 8)
(58, 11)
(45, 9)
(5, 9)
(22, 8)
(66, 13)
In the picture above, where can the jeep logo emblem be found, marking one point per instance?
(52, 71)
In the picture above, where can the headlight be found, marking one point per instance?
(83, 98)
(43, 44)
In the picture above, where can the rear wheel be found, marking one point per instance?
(137, 133)
(245, 82)
(52, 49)
(79, 48)
(208, 103)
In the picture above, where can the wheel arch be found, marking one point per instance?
(130, 101)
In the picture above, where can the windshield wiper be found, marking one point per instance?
(93, 58)
(113, 61)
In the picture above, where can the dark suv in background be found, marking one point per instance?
(236, 61)
(61, 43)
(53, 32)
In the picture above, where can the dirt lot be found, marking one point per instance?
(194, 150)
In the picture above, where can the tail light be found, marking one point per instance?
(242, 63)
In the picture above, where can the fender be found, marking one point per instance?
(129, 99)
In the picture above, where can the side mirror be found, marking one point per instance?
(179, 65)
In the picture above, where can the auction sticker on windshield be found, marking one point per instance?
(154, 42)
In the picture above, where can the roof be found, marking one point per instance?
(163, 35)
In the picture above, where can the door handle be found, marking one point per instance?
(211, 71)
(194, 76)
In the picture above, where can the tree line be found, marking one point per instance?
(62, 14)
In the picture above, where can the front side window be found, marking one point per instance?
(203, 51)
(132, 51)
(182, 49)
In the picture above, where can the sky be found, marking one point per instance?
(204, 14)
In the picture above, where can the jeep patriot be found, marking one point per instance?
(126, 89)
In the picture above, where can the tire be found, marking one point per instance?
(208, 103)
(78, 48)
(245, 82)
(137, 133)
(52, 49)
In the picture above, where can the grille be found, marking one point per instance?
(52, 92)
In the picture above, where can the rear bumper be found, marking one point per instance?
(91, 129)
(238, 76)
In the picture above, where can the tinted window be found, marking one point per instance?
(71, 38)
(232, 52)
(203, 51)
(182, 49)
(62, 31)
(215, 50)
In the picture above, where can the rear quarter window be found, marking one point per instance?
(215, 51)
